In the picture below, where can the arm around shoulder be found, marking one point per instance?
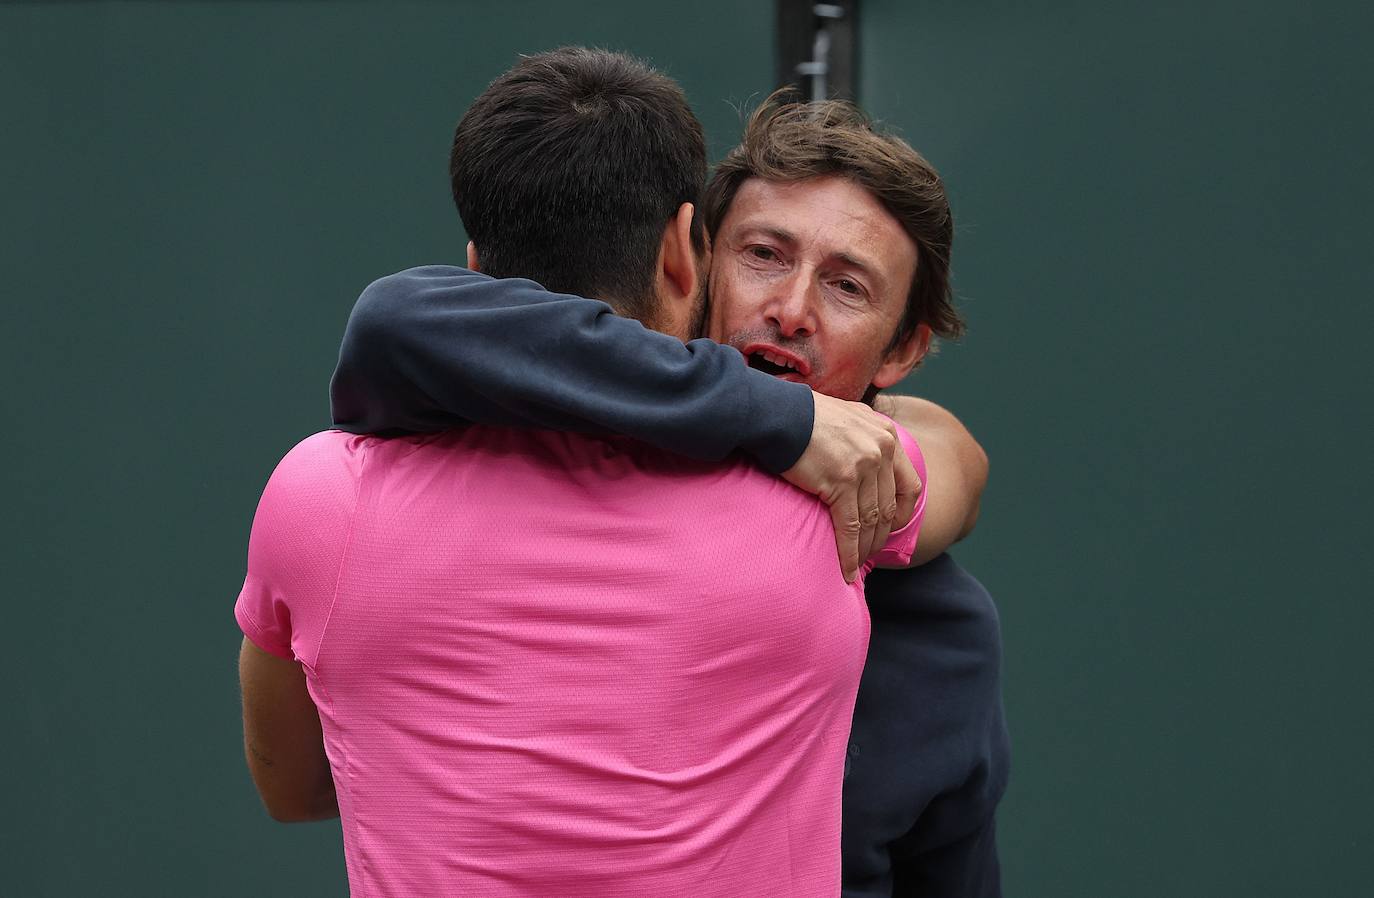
(432, 347)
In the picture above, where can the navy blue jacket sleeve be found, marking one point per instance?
(432, 347)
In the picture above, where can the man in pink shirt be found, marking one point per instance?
(548, 664)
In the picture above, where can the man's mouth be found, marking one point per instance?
(771, 360)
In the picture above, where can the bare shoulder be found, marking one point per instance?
(915, 413)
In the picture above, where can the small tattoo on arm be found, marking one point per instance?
(266, 761)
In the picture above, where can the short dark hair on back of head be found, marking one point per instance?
(788, 141)
(568, 167)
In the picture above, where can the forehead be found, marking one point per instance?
(827, 216)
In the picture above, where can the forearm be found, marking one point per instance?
(323, 805)
(282, 739)
(429, 348)
(293, 802)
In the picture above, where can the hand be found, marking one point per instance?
(954, 460)
(854, 465)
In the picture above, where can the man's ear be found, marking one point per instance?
(679, 274)
(473, 264)
(903, 357)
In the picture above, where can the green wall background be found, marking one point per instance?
(1162, 214)
(1163, 227)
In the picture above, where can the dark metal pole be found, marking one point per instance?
(816, 48)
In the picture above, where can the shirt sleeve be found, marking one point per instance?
(297, 546)
(901, 544)
(432, 347)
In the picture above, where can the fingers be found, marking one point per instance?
(877, 484)
(887, 502)
(854, 465)
(908, 488)
(844, 514)
(868, 509)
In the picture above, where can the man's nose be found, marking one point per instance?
(792, 309)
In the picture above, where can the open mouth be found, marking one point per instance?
(767, 367)
(778, 364)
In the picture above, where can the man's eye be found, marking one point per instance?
(763, 252)
(848, 286)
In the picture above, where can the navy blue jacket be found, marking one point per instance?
(928, 752)
(438, 346)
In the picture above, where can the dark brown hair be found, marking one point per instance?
(790, 141)
(568, 167)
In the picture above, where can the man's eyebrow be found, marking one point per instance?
(776, 233)
(857, 263)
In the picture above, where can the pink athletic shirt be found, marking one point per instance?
(549, 664)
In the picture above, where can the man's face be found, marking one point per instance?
(809, 280)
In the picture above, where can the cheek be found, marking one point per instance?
(714, 324)
(854, 353)
(737, 297)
